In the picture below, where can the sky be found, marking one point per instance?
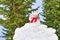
(38, 3)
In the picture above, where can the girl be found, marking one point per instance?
(34, 17)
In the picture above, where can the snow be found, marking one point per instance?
(35, 31)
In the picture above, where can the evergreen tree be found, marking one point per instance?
(51, 12)
(14, 11)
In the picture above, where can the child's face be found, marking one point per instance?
(35, 15)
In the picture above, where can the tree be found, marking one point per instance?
(14, 11)
(51, 12)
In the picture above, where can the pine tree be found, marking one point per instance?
(51, 12)
(14, 11)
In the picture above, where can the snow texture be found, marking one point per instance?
(35, 31)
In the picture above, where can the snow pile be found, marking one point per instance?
(35, 31)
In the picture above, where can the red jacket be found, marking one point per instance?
(34, 19)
